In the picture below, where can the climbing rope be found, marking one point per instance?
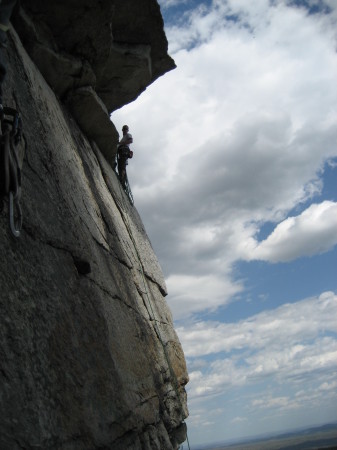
(146, 292)
(125, 184)
(128, 189)
(10, 172)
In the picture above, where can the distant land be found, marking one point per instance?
(322, 437)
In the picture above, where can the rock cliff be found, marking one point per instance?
(89, 355)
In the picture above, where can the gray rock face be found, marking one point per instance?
(89, 355)
(92, 116)
(112, 48)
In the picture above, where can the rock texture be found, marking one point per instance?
(114, 47)
(89, 355)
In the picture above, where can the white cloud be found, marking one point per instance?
(192, 293)
(329, 387)
(271, 402)
(313, 231)
(296, 361)
(292, 342)
(307, 398)
(284, 326)
(236, 136)
(239, 419)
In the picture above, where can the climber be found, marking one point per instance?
(123, 154)
(6, 9)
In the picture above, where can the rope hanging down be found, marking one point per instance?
(122, 174)
(146, 292)
(10, 172)
(128, 190)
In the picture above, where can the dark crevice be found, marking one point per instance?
(83, 267)
(113, 296)
(111, 253)
(161, 290)
(108, 228)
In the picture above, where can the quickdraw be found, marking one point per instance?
(10, 172)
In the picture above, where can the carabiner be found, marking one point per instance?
(14, 229)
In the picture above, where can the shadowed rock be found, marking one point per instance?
(112, 48)
(92, 116)
(89, 356)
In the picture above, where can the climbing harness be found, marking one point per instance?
(10, 172)
(155, 322)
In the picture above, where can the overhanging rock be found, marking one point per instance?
(63, 72)
(118, 39)
(95, 52)
(92, 116)
(127, 70)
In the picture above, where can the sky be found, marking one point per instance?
(234, 175)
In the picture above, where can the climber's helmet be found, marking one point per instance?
(125, 128)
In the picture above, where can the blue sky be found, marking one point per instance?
(234, 174)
